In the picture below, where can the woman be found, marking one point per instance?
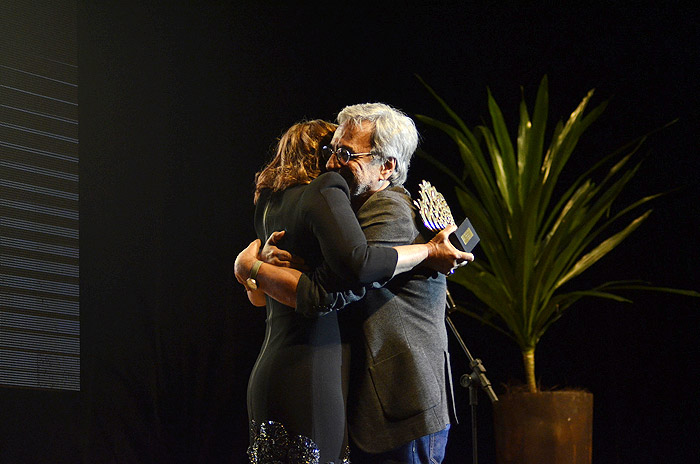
(296, 398)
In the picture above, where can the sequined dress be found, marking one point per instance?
(298, 387)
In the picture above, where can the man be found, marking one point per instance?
(400, 391)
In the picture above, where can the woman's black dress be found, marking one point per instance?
(297, 389)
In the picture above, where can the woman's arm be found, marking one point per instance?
(330, 217)
(344, 246)
(281, 283)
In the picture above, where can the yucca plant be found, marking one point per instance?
(533, 240)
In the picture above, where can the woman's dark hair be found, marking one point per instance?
(298, 158)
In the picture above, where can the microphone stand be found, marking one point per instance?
(477, 378)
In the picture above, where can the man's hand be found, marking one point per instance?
(242, 267)
(245, 260)
(272, 255)
(443, 256)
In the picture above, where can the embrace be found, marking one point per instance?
(355, 364)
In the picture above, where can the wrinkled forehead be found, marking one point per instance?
(355, 130)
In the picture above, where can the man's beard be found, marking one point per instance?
(350, 179)
(356, 188)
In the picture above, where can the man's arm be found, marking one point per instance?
(279, 283)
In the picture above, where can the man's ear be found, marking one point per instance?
(388, 168)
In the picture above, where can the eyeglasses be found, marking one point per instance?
(343, 154)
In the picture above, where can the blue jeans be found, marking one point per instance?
(429, 449)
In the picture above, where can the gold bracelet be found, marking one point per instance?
(250, 282)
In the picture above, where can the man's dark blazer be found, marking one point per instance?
(400, 384)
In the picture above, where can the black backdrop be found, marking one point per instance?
(179, 105)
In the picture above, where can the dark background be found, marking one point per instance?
(179, 106)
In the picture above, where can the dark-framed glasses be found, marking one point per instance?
(343, 154)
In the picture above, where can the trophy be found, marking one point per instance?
(436, 216)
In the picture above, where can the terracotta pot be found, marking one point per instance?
(544, 428)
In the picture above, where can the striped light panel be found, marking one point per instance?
(39, 252)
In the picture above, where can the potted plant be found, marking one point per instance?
(534, 242)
